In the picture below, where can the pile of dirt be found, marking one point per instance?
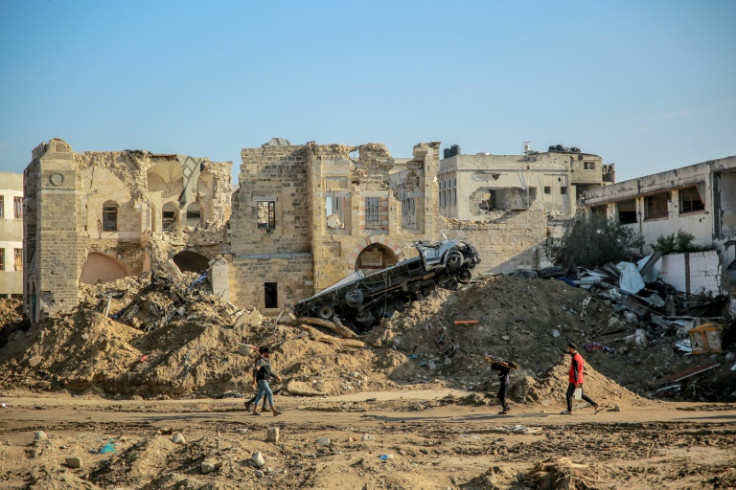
(563, 474)
(179, 341)
(550, 385)
(530, 322)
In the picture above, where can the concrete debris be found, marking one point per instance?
(40, 435)
(272, 434)
(258, 459)
(178, 438)
(73, 462)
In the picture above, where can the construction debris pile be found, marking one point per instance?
(166, 335)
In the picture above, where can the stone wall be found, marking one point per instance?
(514, 241)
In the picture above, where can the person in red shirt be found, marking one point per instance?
(576, 379)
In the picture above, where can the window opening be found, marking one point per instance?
(655, 207)
(267, 215)
(17, 207)
(690, 200)
(110, 216)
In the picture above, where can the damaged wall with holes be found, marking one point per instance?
(307, 215)
(485, 186)
(699, 199)
(97, 216)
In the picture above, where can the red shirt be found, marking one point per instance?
(577, 365)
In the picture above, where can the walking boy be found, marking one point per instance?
(263, 375)
(576, 379)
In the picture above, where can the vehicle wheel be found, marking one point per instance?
(364, 320)
(354, 298)
(454, 261)
(326, 312)
(464, 277)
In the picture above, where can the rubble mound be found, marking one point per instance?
(553, 384)
(527, 321)
(563, 474)
(187, 343)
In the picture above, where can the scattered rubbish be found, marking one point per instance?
(597, 346)
(3, 405)
(385, 457)
(466, 322)
(517, 429)
(684, 346)
(73, 462)
(706, 338)
(108, 448)
(687, 373)
(555, 333)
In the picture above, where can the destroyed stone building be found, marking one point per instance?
(97, 216)
(303, 216)
(11, 234)
(306, 216)
(483, 185)
(699, 199)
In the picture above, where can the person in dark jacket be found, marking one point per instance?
(263, 376)
(576, 379)
(503, 368)
(249, 403)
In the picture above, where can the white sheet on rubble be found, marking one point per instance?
(630, 279)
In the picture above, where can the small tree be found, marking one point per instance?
(590, 241)
(681, 242)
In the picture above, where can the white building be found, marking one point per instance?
(11, 234)
(484, 186)
(699, 199)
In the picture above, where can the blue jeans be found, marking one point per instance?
(263, 389)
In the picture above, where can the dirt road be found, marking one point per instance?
(412, 439)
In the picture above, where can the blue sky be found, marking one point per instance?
(648, 85)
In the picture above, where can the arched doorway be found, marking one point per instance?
(191, 262)
(375, 256)
(99, 268)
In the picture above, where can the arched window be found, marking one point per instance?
(194, 214)
(169, 217)
(110, 216)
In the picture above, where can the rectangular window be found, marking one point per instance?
(372, 213)
(547, 189)
(267, 215)
(2, 206)
(563, 190)
(409, 212)
(589, 165)
(18, 259)
(110, 218)
(655, 207)
(2, 259)
(271, 294)
(626, 212)
(18, 207)
(690, 200)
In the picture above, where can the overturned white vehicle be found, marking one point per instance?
(360, 300)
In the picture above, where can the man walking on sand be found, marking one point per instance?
(576, 379)
(503, 368)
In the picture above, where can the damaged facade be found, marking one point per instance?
(486, 186)
(699, 199)
(303, 217)
(97, 216)
(308, 215)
